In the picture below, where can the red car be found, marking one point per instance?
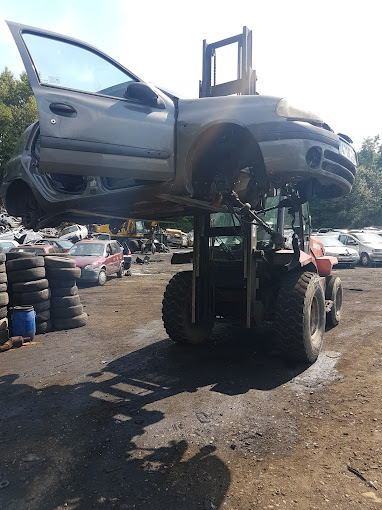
(97, 259)
(36, 249)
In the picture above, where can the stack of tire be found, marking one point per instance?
(4, 300)
(66, 310)
(27, 285)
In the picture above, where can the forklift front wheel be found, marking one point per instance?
(300, 316)
(176, 312)
(333, 292)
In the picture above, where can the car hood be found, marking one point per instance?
(82, 261)
(340, 250)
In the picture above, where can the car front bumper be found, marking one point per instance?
(347, 260)
(89, 275)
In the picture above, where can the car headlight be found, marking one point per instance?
(90, 266)
(284, 109)
(348, 151)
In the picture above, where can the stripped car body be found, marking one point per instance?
(131, 150)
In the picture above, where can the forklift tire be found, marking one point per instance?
(133, 246)
(176, 312)
(333, 292)
(300, 316)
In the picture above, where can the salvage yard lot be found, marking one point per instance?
(115, 415)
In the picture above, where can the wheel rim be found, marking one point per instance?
(365, 260)
(314, 316)
(102, 277)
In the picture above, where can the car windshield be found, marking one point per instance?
(369, 238)
(69, 230)
(65, 244)
(87, 250)
(330, 241)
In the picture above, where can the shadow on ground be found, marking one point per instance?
(75, 445)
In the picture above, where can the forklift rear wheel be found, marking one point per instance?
(333, 292)
(176, 312)
(300, 316)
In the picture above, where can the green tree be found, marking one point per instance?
(18, 109)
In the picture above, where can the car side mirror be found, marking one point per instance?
(139, 91)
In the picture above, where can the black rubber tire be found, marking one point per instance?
(33, 286)
(54, 261)
(65, 301)
(65, 291)
(176, 312)
(4, 336)
(133, 246)
(68, 312)
(25, 263)
(299, 295)
(364, 260)
(13, 255)
(43, 327)
(3, 267)
(31, 298)
(120, 272)
(26, 275)
(4, 299)
(334, 292)
(3, 258)
(3, 287)
(3, 278)
(153, 248)
(42, 316)
(41, 307)
(3, 312)
(63, 273)
(102, 278)
(71, 323)
(61, 284)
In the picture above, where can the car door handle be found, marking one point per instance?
(63, 109)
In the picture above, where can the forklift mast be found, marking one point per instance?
(245, 84)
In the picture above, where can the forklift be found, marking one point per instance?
(254, 266)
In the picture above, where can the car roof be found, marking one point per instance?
(98, 241)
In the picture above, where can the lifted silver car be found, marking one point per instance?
(108, 145)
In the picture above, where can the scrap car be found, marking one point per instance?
(108, 145)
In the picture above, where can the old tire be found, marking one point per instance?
(25, 263)
(33, 286)
(43, 327)
(133, 246)
(102, 277)
(65, 301)
(68, 312)
(4, 299)
(42, 306)
(3, 287)
(3, 278)
(2, 266)
(63, 273)
(13, 255)
(3, 257)
(64, 291)
(176, 312)
(42, 316)
(31, 298)
(72, 322)
(26, 275)
(364, 260)
(4, 336)
(333, 292)
(120, 272)
(3, 312)
(55, 284)
(54, 261)
(300, 316)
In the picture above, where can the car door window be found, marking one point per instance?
(71, 66)
(109, 251)
(343, 239)
(116, 248)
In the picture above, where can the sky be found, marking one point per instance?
(322, 55)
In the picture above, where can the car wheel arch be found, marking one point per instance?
(17, 196)
(208, 144)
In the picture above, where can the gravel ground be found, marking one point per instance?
(115, 415)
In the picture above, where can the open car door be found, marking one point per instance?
(96, 118)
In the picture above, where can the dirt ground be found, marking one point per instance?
(115, 415)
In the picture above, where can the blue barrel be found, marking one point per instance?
(23, 321)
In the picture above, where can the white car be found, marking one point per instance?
(74, 233)
(369, 246)
(7, 244)
(345, 255)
